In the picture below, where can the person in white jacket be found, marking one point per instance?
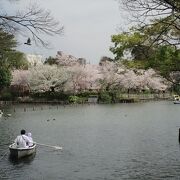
(22, 141)
(29, 135)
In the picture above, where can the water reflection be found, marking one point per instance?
(25, 160)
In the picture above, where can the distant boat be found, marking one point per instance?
(176, 99)
(176, 102)
(21, 152)
(1, 113)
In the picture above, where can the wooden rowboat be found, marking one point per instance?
(21, 152)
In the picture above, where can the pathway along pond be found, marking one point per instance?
(112, 142)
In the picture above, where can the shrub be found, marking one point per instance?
(76, 99)
(105, 97)
(6, 96)
(51, 95)
(176, 89)
(5, 77)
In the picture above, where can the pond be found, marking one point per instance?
(112, 142)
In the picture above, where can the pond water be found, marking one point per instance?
(100, 142)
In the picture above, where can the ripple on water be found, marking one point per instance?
(99, 142)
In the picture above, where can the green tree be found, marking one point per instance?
(9, 58)
(166, 60)
(158, 30)
(5, 77)
(16, 60)
(141, 42)
(8, 55)
(7, 41)
(132, 43)
(163, 57)
(153, 13)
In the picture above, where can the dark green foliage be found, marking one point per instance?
(141, 52)
(7, 41)
(166, 59)
(6, 95)
(50, 60)
(105, 97)
(9, 57)
(86, 94)
(104, 59)
(5, 77)
(138, 64)
(51, 96)
(129, 42)
(142, 42)
(14, 60)
(149, 50)
(76, 99)
(176, 88)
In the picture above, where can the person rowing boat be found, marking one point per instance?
(22, 141)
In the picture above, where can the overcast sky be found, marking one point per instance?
(88, 25)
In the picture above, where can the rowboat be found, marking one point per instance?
(21, 152)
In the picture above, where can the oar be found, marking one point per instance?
(56, 147)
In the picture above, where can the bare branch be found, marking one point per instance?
(35, 20)
(148, 13)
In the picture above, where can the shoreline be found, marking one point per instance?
(124, 98)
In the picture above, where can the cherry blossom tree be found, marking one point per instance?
(117, 76)
(76, 82)
(47, 78)
(20, 77)
(77, 78)
(109, 77)
(154, 81)
(93, 75)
